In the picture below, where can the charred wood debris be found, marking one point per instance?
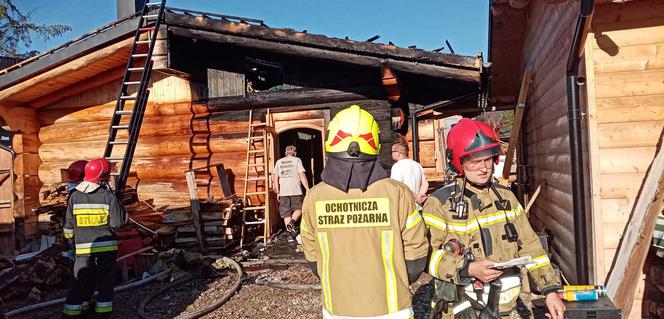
(155, 240)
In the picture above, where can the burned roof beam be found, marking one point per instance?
(300, 39)
(293, 98)
(460, 74)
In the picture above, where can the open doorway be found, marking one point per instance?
(309, 150)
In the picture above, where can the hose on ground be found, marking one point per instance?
(49, 303)
(204, 311)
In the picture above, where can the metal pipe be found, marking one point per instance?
(414, 121)
(574, 116)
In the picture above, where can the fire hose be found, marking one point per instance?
(204, 311)
(62, 300)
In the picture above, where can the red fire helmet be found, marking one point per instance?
(97, 170)
(76, 171)
(471, 138)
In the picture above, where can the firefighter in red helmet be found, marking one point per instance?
(94, 213)
(475, 223)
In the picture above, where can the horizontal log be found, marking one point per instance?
(629, 134)
(298, 115)
(152, 126)
(161, 167)
(630, 33)
(621, 185)
(460, 74)
(626, 160)
(153, 146)
(616, 210)
(630, 83)
(104, 112)
(630, 109)
(293, 97)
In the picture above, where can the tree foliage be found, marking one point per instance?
(16, 29)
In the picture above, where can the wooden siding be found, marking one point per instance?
(626, 110)
(545, 50)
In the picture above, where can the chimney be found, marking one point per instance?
(128, 7)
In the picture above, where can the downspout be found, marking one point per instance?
(415, 121)
(574, 116)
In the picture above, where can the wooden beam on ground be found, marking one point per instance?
(629, 260)
(516, 127)
(195, 208)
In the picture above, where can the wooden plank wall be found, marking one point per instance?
(626, 50)
(431, 156)
(546, 48)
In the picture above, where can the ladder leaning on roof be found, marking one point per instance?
(137, 74)
(257, 176)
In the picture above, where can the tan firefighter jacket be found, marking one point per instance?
(360, 242)
(483, 220)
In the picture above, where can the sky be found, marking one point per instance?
(424, 23)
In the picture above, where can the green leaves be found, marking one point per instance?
(17, 29)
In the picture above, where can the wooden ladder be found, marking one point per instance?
(256, 209)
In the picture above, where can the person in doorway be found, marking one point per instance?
(475, 223)
(94, 213)
(409, 172)
(361, 232)
(287, 178)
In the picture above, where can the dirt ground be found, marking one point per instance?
(261, 295)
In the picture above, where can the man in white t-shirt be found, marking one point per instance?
(287, 176)
(409, 172)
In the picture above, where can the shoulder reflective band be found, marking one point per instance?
(538, 262)
(434, 221)
(413, 219)
(68, 232)
(387, 245)
(361, 212)
(325, 271)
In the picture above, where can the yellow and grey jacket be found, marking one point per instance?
(360, 242)
(93, 214)
(483, 232)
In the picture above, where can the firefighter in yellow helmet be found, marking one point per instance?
(475, 223)
(361, 231)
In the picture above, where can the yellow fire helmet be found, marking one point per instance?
(351, 133)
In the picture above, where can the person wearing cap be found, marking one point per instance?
(475, 223)
(361, 231)
(94, 214)
(287, 178)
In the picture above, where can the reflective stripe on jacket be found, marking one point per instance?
(485, 220)
(91, 219)
(360, 242)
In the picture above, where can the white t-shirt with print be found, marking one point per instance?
(288, 169)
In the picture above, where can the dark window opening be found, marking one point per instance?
(263, 76)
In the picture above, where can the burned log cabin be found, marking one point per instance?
(208, 72)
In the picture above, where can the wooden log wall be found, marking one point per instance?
(177, 135)
(545, 50)
(625, 59)
(25, 122)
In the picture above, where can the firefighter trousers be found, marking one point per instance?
(96, 270)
